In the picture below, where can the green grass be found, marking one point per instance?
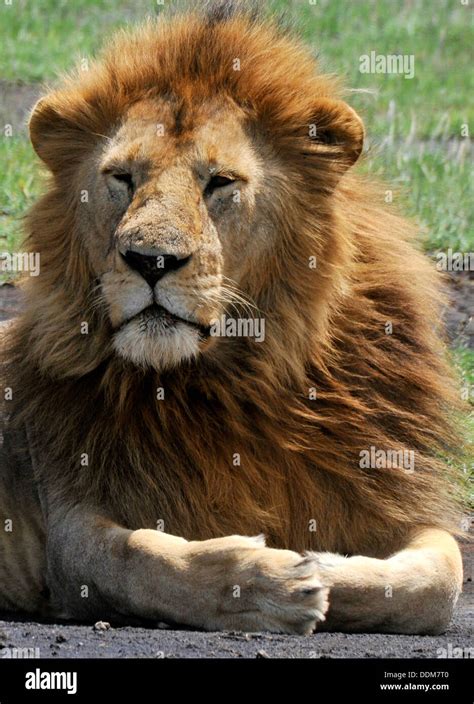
(19, 186)
(464, 362)
(436, 32)
(40, 38)
(435, 188)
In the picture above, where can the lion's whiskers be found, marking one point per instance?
(230, 297)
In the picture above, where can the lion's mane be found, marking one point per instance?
(111, 442)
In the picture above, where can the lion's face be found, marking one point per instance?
(191, 186)
(168, 225)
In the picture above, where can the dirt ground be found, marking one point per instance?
(459, 315)
(54, 640)
(16, 103)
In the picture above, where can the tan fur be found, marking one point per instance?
(167, 104)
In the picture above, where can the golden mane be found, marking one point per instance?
(112, 442)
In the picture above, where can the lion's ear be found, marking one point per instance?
(336, 132)
(56, 136)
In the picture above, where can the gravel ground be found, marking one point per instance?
(73, 641)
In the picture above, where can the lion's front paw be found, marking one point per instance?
(250, 587)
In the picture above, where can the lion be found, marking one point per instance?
(154, 466)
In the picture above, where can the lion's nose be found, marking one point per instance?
(154, 267)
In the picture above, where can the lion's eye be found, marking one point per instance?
(127, 179)
(217, 182)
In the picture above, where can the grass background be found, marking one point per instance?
(414, 126)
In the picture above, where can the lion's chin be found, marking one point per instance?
(151, 341)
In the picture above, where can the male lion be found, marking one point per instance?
(200, 169)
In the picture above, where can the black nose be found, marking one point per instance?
(154, 267)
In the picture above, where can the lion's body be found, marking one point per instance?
(249, 438)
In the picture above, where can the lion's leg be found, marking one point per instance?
(413, 591)
(96, 568)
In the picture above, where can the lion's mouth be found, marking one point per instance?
(157, 319)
